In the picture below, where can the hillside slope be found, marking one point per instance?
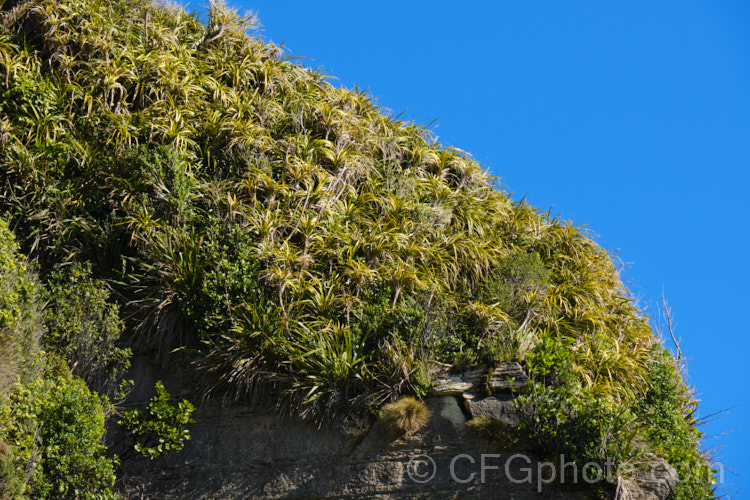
(297, 246)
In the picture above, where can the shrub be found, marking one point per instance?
(550, 361)
(405, 416)
(229, 273)
(330, 366)
(380, 318)
(499, 348)
(55, 429)
(83, 326)
(463, 359)
(517, 273)
(11, 480)
(20, 318)
(567, 416)
(161, 427)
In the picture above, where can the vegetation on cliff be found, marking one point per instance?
(181, 189)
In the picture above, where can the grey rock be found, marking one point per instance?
(476, 376)
(471, 396)
(497, 407)
(507, 377)
(655, 482)
(451, 386)
(447, 384)
(243, 451)
(448, 408)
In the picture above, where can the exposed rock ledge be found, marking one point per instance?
(242, 452)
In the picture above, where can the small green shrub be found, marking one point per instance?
(517, 273)
(564, 415)
(499, 348)
(577, 423)
(55, 428)
(420, 378)
(11, 481)
(330, 371)
(463, 359)
(83, 326)
(405, 416)
(229, 272)
(160, 428)
(20, 317)
(550, 360)
(380, 318)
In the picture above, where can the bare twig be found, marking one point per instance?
(670, 327)
(713, 416)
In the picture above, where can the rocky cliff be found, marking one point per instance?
(240, 451)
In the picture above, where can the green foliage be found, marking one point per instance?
(580, 417)
(54, 428)
(550, 361)
(582, 426)
(329, 364)
(517, 275)
(501, 347)
(305, 248)
(11, 481)
(161, 427)
(463, 359)
(230, 272)
(19, 290)
(83, 326)
(20, 319)
(668, 413)
(380, 318)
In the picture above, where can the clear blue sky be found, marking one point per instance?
(631, 117)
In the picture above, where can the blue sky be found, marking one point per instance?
(632, 118)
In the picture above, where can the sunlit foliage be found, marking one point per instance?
(302, 246)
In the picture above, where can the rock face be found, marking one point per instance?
(244, 452)
(447, 384)
(496, 407)
(509, 377)
(506, 378)
(656, 482)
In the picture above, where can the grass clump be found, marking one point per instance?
(404, 417)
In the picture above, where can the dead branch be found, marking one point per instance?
(670, 327)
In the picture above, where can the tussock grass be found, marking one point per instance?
(405, 416)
